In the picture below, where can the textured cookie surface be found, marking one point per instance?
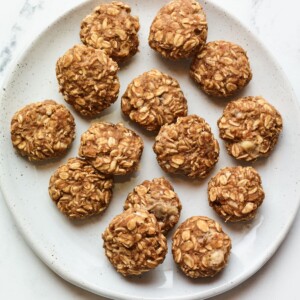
(111, 28)
(158, 197)
(200, 247)
(250, 127)
(221, 69)
(235, 193)
(87, 79)
(133, 242)
(42, 130)
(111, 148)
(179, 29)
(78, 190)
(187, 147)
(154, 99)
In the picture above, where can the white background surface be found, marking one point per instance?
(23, 275)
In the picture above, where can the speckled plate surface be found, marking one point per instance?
(74, 249)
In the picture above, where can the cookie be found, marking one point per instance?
(42, 130)
(133, 242)
(158, 197)
(111, 148)
(154, 99)
(250, 127)
(179, 29)
(87, 79)
(221, 69)
(187, 147)
(235, 193)
(111, 28)
(200, 247)
(78, 190)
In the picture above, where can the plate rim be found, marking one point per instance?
(73, 278)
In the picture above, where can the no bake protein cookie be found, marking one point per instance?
(111, 148)
(159, 198)
(200, 247)
(111, 28)
(88, 79)
(154, 99)
(42, 130)
(250, 127)
(235, 193)
(221, 69)
(133, 242)
(79, 190)
(179, 29)
(187, 147)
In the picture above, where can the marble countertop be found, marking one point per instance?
(23, 275)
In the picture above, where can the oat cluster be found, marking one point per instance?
(200, 247)
(88, 79)
(235, 193)
(133, 242)
(179, 29)
(154, 99)
(221, 69)
(187, 147)
(80, 191)
(111, 28)
(42, 130)
(250, 127)
(111, 148)
(157, 197)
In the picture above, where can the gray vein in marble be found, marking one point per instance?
(28, 10)
(256, 4)
(30, 7)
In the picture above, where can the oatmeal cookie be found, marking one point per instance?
(179, 29)
(200, 247)
(235, 193)
(159, 198)
(42, 130)
(250, 127)
(187, 147)
(133, 242)
(111, 148)
(87, 79)
(79, 190)
(111, 28)
(221, 69)
(154, 99)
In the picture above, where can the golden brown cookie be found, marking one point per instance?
(87, 79)
(187, 147)
(79, 190)
(250, 127)
(200, 247)
(154, 99)
(42, 130)
(158, 197)
(179, 29)
(236, 193)
(221, 69)
(133, 242)
(111, 28)
(111, 148)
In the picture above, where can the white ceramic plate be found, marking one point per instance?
(74, 249)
